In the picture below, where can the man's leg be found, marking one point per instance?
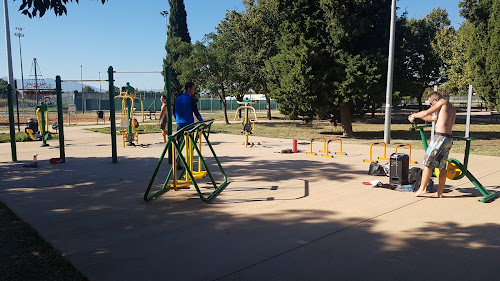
(442, 181)
(426, 176)
(164, 133)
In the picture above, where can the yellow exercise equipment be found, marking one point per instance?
(328, 148)
(248, 124)
(325, 150)
(130, 131)
(189, 143)
(409, 152)
(381, 158)
(452, 171)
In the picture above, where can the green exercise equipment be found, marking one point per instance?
(39, 130)
(189, 138)
(456, 169)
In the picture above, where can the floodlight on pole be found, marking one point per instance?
(165, 14)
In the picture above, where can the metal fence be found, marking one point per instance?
(26, 107)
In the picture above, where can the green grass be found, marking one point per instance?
(20, 137)
(24, 255)
(365, 132)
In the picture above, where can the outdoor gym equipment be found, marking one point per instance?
(62, 157)
(248, 124)
(321, 151)
(191, 142)
(385, 150)
(42, 131)
(381, 158)
(456, 169)
(131, 133)
(326, 147)
(409, 152)
(112, 119)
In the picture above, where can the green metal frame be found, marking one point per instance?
(172, 143)
(488, 196)
(12, 130)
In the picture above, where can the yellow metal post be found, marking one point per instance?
(409, 151)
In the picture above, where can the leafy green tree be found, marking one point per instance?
(210, 65)
(477, 50)
(32, 8)
(423, 53)
(358, 36)
(331, 58)
(88, 89)
(297, 73)
(117, 91)
(3, 86)
(178, 42)
(256, 33)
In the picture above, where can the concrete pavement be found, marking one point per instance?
(282, 217)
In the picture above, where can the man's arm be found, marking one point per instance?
(194, 108)
(426, 115)
(430, 118)
(162, 113)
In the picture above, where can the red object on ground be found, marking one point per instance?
(56, 161)
(294, 149)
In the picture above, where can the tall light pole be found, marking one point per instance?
(19, 34)
(100, 91)
(165, 14)
(81, 82)
(390, 71)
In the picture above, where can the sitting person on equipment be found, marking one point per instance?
(127, 88)
(437, 151)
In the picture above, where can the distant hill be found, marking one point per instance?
(72, 86)
(66, 86)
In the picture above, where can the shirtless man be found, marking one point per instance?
(162, 121)
(437, 151)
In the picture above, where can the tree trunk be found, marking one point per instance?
(419, 99)
(373, 108)
(224, 104)
(346, 120)
(268, 102)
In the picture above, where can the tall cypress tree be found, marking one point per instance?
(177, 39)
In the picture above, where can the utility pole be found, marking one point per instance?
(100, 91)
(390, 72)
(81, 82)
(19, 34)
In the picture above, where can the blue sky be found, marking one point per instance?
(126, 34)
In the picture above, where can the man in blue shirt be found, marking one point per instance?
(185, 107)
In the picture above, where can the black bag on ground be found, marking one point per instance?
(376, 170)
(415, 178)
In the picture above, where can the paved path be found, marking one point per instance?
(282, 217)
